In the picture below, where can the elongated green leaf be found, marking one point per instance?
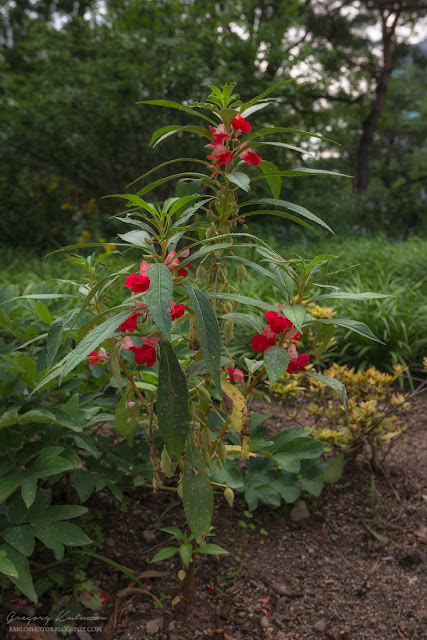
(276, 361)
(88, 344)
(157, 183)
(43, 312)
(252, 302)
(164, 164)
(302, 211)
(159, 297)
(270, 130)
(264, 94)
(325, 333)
(71, 535)
(186, 551)
(262, 271)
(282, 214)
(365, 295)
(353, 325)
(54, 335)
(302, 172)
(245, 319)
(256, 107)
(164, 554)
(334, 384)
(176, 105)
(24, 581)
(334, 470)
(85, 484)
(211, 549)
(9, 483)
(208, 332)
(41, 296)
(165, 132)
(241, 179)
(197, 491)
(281, 144)
(172, 402)
(274, 181)
(136, 200)
(209, 249)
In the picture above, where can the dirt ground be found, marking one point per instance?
(349, 565)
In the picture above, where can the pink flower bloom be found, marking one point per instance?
(130, 323)
(241, 123)
(137, 283)
(297, 361)
(127, 344)
(95, 356)
(143, 268)
(140, 305)
(171, 261)
(236, 375)
(212, 591)
(251, 157)
(185, 253)
(177, 310)
(219, 134)
(278, 322)
(146, 354)
(223, 158)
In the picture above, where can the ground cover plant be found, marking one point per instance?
(161, 341)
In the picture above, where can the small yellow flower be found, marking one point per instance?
(66, 206)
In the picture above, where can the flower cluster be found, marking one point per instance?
(220, 152)
(279, 325)
(140, 282)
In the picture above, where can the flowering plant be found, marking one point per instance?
(182, 323)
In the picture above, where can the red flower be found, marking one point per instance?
(177, 310)
(251, 157)
(219, 135)
(95, 356)
(212, 591)
(146, 354)
(297, 361)
(236, 375)
(261, 343)
(223, 158)
(182, 272)
(103, 596)
(241, 123)
(130, 323)
(137, 283)
(278, 322)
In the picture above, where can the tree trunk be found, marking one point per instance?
(370, 123)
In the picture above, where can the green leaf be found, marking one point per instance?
(172, 402)
(186, 551)
(54, 335)
(168, 162)
(88, 344)
(29, 489)
(365, 295)
(352, 325)
(283, 145)
(43, 312)
(126, 419)
(174, 531)
(325, 333)
(244, 319)
(165, 132)
(275, 182)
(159, 297)
(71, 535)
(281, 214)
(197, 491)
(48, 535)
(164, 554)
(208, 332)
(270, 130)
(136, 238)
(9, 483)
(334, 384)
(6, 566)
(241, 179)
(296, 314)
(176, 105)
(291, 173)
(84, 483)
(276, 361)
(161, 181)
(264, 94)
(334, 470)
(20, 538)
(262, 271)
(252, 302)
(296, 208)
(211, 549)
(24, 581)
